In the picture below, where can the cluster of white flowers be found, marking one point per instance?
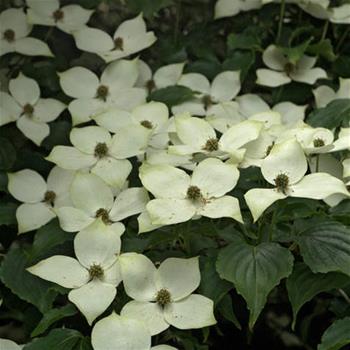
(188, 158)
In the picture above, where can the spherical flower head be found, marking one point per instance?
(101, 150)
(119, 43)
(318, 142)
(28, 110)
(102, 92)
(163, 297)
(207, 101)
(282, 183)
(58, 15)
(96, 272)
(147, 124)
(49, 197)
(194, 193)
(211, 145)
(103, 214)
(9, 35)
(150, 85)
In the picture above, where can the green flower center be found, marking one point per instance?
(102, 92)
(319, 142)
(194, 193)
(49, 197)
(96, 272)
(9, 35)
(28, 110)
(147, 124)
(103, 214)
(119, 44)
(101, 150)
(58, 15)
(163, 297)
(150, 85)
(282, 183)
(211, 145)
(289, 68)
(207, 101)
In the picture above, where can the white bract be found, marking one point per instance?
(14, 31)
(180, 197)
(40, 198)
(198, 136)
(324, 94)
(153, 116)
(227, 8)
(285, 169)
(49, 13)
(114, 91)
(106, 156)
(92, 199)
(130, 37)
(163, 296)
(94, 275)
(30, 112)
(7, 344)
(223, 88)
(163, 77)
(283, 71)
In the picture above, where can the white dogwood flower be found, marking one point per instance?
(49, 13)
(114, 91)
(92, 198)
(283, 71)
(14, 31)
(94, 275)
(285, 169)
(324, 94)
(224, 87)
(198, 136)
(28, 109)
(153, 116)
(130, 37)
(163, 77)
(163, 296)
(180, 197)
(40, 198)
(340, 14)
(106, 156)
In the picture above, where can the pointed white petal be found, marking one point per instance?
(225, 206)
(226, 8)
(192, 107)
(33, 47)
(226, 86)
(59, 180)
(164, 181)
(34, 131)
(309, 76)
(285, 158)
(79, 82)
(155, 112)
(214, 177)
(259, 199)
(27, 186)
(274, 58)
(150, 314)
(47, 109)
(10, 110)
(90, 193)
(24, 90)
(93, 298)
(31, 216)
(97, 244)
(170, 211)
(195, 311)
(179, 276)
(196, 82)
(145, 224)
(72, 219)
(323, 95)
(139, 276)
(271, 78)
(74, 18)
(63, 270)
(93, 40)
(83, 109)
(290, 112)
(128, 334)
(250, 104)
(168, 75)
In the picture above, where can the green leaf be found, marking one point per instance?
(325, 247)
(28, 287)
(148, 7)
(245, 41)
(84, 344)
(239, 60)
(254, 271)
(335, 114)
(225, 307)
(8, 213)
(212, 286)
(303, 285)
(47, 238)
(172, 95)
(342, 66)
(323, 48)
(336, 336)
(59, 134)
(51, 317)
(57, 339)
(7, 154)
(295, 53)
